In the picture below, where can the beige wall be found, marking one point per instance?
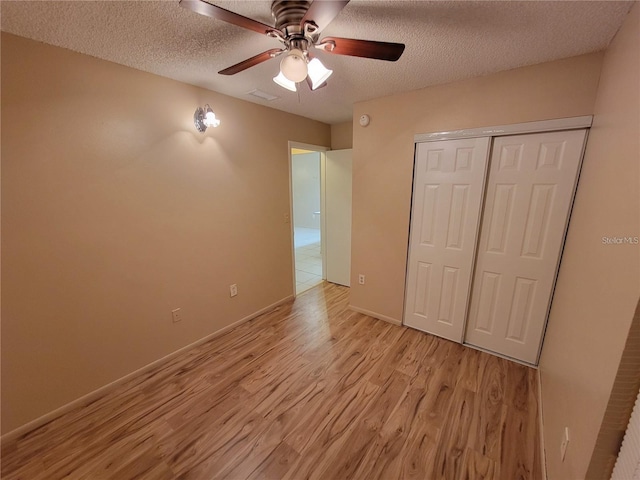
(383, 156)
(115, 211)
(342, 136)
(598, 285)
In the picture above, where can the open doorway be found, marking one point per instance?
(320, 188)
(306, 199)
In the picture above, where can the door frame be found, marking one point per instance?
(321, 150)
(560, 124)
(569, 123)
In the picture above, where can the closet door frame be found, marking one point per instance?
(570, 123)
(561, 124)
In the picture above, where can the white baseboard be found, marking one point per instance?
(543, 460)
(91, 396)
(375, 315)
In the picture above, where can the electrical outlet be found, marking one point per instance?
(564, 444)
(176, 315)
(361, 279)
(286, 218)
(233, 290)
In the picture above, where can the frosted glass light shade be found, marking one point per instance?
(210, 119)
(285, 82)
(294, 66)
(318, 73)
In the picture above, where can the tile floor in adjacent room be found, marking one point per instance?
(308, 258)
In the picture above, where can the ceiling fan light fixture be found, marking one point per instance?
(285, 82)
(318, 73)
(294, 66)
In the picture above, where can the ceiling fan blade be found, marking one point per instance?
(362, 48)
(250, 62)
(204, 8)
(323, 12)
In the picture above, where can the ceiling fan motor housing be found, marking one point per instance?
(288, 14)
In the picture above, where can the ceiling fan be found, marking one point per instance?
(298, 24)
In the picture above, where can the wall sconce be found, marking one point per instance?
(204, 118)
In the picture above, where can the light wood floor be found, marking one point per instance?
(310, 390)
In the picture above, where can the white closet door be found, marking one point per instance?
(447, 197)
(529, 194)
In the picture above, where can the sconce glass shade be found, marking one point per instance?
(294, 66)
(285, 82)
(318, 73)
(204, 118)
(210, 119)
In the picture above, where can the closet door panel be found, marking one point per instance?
(530, 190)
(447, 197)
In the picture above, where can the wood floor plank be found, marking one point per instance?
(94, 462)
(384, 459)
(490, 409)
(365, 365)
(517, 456)
(214, 446)
(364, 431)
(439, 393)
(395, 356)
(351, 352)
(479, 467)
(522, 457)
(328, 425)
(468, 369)
(309, 390)
(418, 455)
(240, 459)
(455, 436)
(413, 359)
(275, 465)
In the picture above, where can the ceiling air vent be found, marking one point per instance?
(262, 95)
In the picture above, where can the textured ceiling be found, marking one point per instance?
(445, 41)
